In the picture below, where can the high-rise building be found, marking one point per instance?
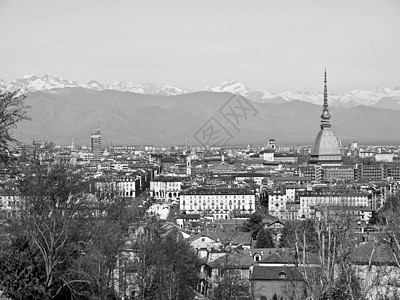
(188, 165)
(326, 150)
(271, 144)
(96, 144)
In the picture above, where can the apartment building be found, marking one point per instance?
(326, 197)
(166, 188)
(219, 203)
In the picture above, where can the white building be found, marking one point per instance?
(166, 188)
(282, 202)
(267, 155)
(220, 203)
(298, 203)
(128, 186)
(311, 199)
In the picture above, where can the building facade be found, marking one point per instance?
(96, 145)
(326, 150)
(219, 203)
(166, 188)
(309, 200)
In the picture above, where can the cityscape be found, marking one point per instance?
(197, 190)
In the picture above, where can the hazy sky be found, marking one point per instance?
(267, 45)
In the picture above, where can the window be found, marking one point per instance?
(282, 275)
(257, 257)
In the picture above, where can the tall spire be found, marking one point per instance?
(325, 117)
(325, 92)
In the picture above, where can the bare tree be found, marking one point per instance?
(390, 213)
(161, 265)
(12, 111)
(229, 281)
(55, 209)
(108, 235)
(322, 251)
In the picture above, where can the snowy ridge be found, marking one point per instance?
(31, 83)
(348, 99)
(149, 88)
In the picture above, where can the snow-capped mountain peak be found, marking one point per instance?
(95, 85)
(31, 83)
(231, 86)
(150, 88)
(29, 76)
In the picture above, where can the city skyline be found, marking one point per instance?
(267, 45)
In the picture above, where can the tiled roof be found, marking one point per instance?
(250, 175)
(278, 258)
(217, 191)
(276, 273)
(244, 258)
(382, 255)
(292, 178)
(189, 217)
(168, 179)
(235, 260)
(286, 256)
(241, 238)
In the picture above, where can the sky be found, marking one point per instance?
(268, 45)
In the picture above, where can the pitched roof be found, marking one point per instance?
(285, 256)
(241, 238)
(243, 258)
(233, 260)
(378, 254)
(276, 273)
(199, 235)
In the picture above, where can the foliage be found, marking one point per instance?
(254, 225)
(164, 265)
(76, 234)
(12, 111)
(293, 228)
(331, 242)
(21, 271)
(390, 214)
(228, 281)
(376, 218)
(53, 215)
(265, 239)
(231, 286)
(347, 286)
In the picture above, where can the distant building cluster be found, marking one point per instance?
(204, 191)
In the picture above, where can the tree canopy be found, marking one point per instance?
(265, 239)
(253, 225)
(72, 235)
(12, 111)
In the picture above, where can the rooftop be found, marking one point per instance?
(217, 191)
(271, 273)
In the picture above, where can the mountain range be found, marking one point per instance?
(379, 97)
(70, 112)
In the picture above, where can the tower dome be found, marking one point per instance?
(326, 150)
